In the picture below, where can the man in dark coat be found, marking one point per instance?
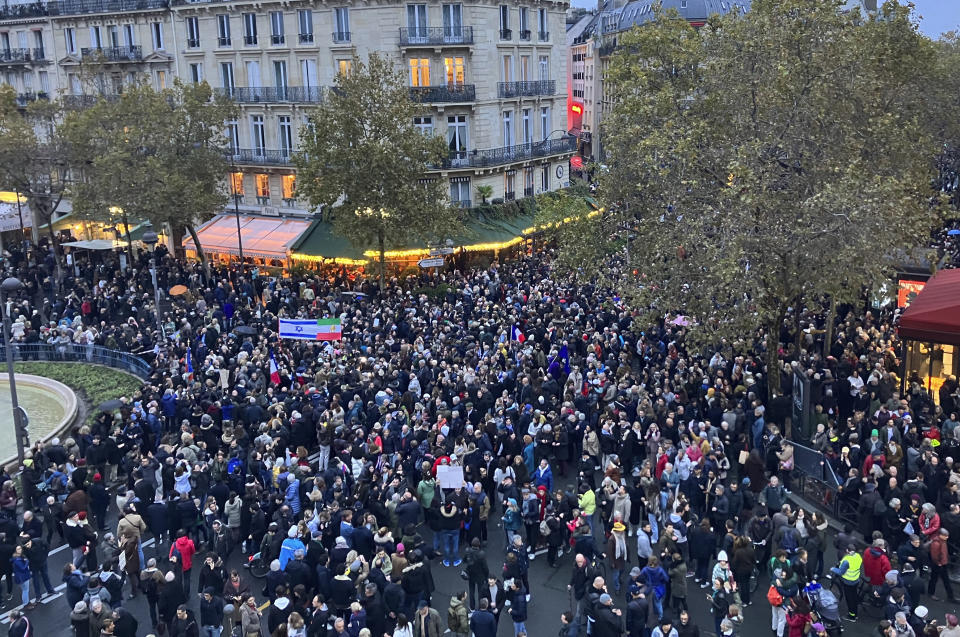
(482, 622)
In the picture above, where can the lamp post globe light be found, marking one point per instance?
(150, 239)
(8, 287)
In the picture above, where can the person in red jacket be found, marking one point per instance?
(939, 560)
(876, 564)
(183, 546)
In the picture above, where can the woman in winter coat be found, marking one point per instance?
(132, 566)
(80, 619)
(591, 444)
(250, 618)
(621, 505)
(22, 574)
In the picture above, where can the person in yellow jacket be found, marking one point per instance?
(587, 503)
(849, 570)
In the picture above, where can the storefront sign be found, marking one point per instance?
(907, 291)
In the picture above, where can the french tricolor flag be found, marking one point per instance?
(516, 334)
(274, 370)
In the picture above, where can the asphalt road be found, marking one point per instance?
(549, 596)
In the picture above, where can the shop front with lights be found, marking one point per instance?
(930, 330)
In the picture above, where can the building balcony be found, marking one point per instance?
(277, 39)
(444, 94)
(81, 7)
(24, 11)
(306, 38)
(510, 154)
(543, 36)
(15, 56)
(267, 94)
(341, 37)
(250, 40)
(436, 36)
(526, 89)
(114, 53)
(193, 43)
(259, 157)
(86, 101)
(506, 34)
(222, 41)
(526, 34)
(528, 191)
(25, 98)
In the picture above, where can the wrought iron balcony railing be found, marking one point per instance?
(25, 98)
(526, 89)
(306, 38)
(506, 34)
(267, 94)
(543, 36)
(114, 53)
(445, 93)
(86, 101)
(341, 37)
(80, 7)
(14, 56)
(525, 34)
(510, 154)
(436, 36)
(259, 157)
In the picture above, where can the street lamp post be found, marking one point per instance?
(10, 285)
(150, 239)
(236, 212)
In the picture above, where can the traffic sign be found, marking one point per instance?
(435, 252)
(431, 263)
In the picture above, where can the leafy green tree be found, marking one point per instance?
(774, 158)
(373, 163)
(151, 155)
(32, 158)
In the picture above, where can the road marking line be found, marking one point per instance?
(50, 598)
(59, 548)
(61, 587)
(149, 542)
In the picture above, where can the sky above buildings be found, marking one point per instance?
(936, 16)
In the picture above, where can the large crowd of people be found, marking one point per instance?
(647, 468)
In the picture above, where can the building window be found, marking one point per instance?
(417, 21)
(341, 22)
(286, 134)
(527, 126)
(226, 77)
(193, 33)
(257, 134)
(253, 74)
(157, 30)
(524, 24)
(528, 181)
(38, 44)
(460, 191)
(545, 179)
(263, 189)
(453, 22)
(505, 33)
(70, 37)
(44, 82)
(510, 185)
(543, 32)
(112, 31)
(545, 122)
(236, 185)
(457, 135)
(507, 68)
(343, 67)
(250, 29)
(280, 77)
(161, 77)
(276, 28)
(128, 39)
(524, 68)
(289, 184)
(508, 128)
(233, 137)
(419, 72)
(223, 30)
(544, 68)
(96, 42)
(308, 73)
(424, 125)
(305, 22)
(196, 72)
(453, 68)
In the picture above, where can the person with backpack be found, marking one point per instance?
(530, 511)
(773, 495)
(458, 616)
(477, 570)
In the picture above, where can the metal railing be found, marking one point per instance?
(261, 94)
(526, 89)
(25, 98)
(525, 34)
(510, 154)
(70, 352)
(14, 55)
(817, 482)
(341, 37)
(430, 36)
(21, 11)
(543, 36)
(278, 38)
(306, 38)
(130, 53)
(78, 7)
(249, 40)
(87, 101)
(466, 204)
(444, 93)
(506, 34)
(259, 157)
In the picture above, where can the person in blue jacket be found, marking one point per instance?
(543, 476)
(290, 546)
(656, 580)
(22, 575)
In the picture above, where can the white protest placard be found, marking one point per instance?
(450, 476)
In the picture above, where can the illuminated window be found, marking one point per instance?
(289, 186)
(454, 71)
(343, 67)
(263, 185)
(419, 72)
(236, 183)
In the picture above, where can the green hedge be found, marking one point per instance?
(93, 383)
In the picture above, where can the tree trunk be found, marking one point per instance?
(200, 254)
(831, 318)
(772, 360)
(126, 230)
(56, 254)
(381, 249)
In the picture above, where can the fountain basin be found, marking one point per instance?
(50, 405)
